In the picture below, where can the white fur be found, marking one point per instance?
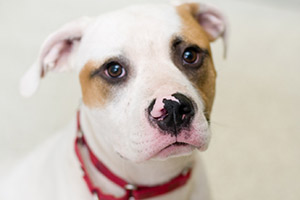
(119, 132)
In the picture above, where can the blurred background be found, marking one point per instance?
(255, 148)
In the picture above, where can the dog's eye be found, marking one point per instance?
(190, 56)
(115, 70)
(193, 57)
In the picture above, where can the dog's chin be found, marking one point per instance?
(177, 149)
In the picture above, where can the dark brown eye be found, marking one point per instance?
(190, 56)
(115, 70)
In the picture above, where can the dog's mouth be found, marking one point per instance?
(174, 150)
(178, 144)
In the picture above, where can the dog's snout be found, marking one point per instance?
(172, 113)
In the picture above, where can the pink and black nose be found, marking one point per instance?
(172, 113)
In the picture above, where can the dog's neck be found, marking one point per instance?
(152, 172)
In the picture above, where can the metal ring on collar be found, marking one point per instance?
(130, 187)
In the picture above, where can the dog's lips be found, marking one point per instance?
(166, 145)
(175, 149)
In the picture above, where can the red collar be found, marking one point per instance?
(132, 191)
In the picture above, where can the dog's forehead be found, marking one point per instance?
(133, 29)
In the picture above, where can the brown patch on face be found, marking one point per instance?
(95, 91)
(192, 33)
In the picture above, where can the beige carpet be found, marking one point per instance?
(255, 149)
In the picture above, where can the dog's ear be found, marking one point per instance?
(56, 54)
(212, 20)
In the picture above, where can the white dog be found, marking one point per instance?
(148, 84)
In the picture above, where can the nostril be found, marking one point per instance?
(159, 114)
(185, 109)
(158, 108)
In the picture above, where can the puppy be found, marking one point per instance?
(148, 84)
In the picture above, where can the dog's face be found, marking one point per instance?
(146, 74)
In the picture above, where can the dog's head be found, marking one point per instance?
(146, 74)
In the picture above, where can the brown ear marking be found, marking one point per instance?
(191, 29)
(193, 33)
(95, 91)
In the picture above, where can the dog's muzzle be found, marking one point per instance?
(172, 113)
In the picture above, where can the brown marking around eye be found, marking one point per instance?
(193, 33)
(95, 91)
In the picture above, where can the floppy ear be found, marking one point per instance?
(212, 20)
(56, 54)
